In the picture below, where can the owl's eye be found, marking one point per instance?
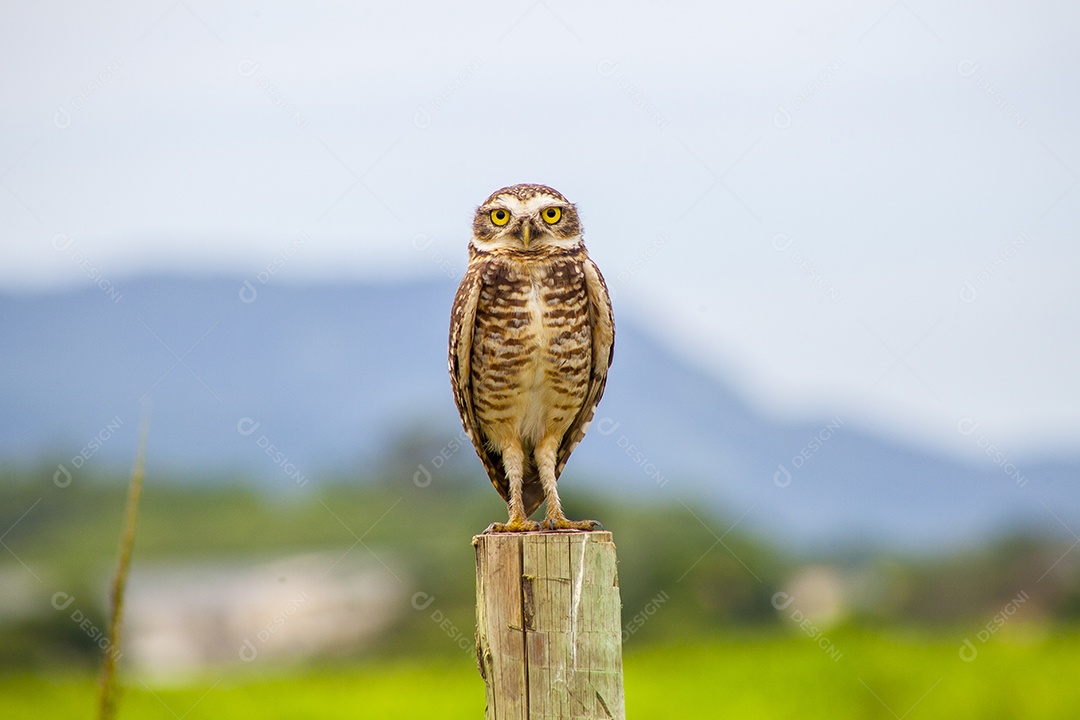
(500, 217)
(551, 215)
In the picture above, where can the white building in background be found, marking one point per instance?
(183, 618)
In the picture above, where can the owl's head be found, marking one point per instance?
(526, 218)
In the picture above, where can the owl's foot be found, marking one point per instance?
(561, 523)
(513, 526)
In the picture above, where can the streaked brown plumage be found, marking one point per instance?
(531, 339)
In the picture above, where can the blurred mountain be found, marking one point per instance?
(255, 378)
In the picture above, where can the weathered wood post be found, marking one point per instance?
(548, 635)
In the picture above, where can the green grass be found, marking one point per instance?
(877, 675)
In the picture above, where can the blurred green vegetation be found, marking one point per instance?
(68, 538)
(713, 581)
(765, 674)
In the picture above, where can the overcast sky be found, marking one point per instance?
(868, 210)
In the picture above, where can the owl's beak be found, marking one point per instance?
(525, 229)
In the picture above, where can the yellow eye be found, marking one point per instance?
(500, 217)
(551, 215)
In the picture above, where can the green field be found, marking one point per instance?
(718, 647)
(891, 675)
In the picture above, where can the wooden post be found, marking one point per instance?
(548, 636)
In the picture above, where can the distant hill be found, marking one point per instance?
(286, 384)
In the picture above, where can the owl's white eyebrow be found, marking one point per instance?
(528, 207)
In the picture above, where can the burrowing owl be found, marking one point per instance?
(531, 339)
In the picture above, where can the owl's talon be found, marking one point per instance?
(557, 523)
(512, 527)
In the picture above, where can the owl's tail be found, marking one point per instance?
(532, 491)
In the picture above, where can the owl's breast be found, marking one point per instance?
(532, 349)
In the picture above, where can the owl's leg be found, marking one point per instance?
(546, 453)
(514, 464)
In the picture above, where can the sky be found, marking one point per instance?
(862, 210)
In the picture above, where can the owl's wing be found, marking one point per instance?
(602, 326)
(462, 322)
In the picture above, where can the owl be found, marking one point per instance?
(531, 338)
